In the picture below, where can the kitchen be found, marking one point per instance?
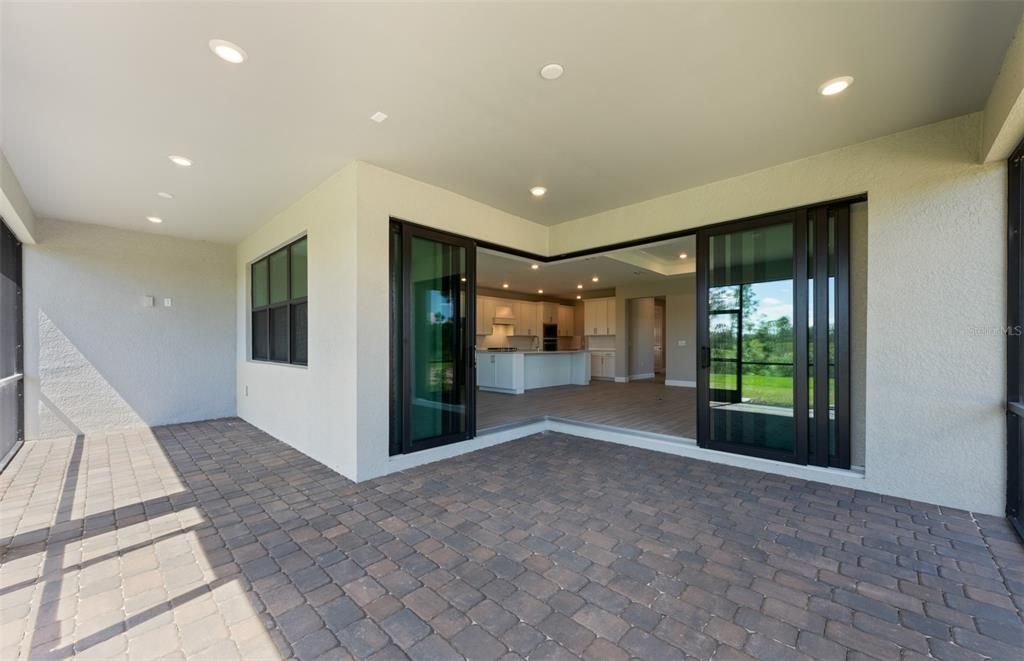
(525, 342)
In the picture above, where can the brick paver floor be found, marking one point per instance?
(213, 540)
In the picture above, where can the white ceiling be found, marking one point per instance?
(655, 98)
(651, 263)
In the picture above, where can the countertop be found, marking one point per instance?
(499, 353)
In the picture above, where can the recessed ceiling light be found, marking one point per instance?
(682, 255)
(594, 279)
(835, 86)
(166, 196)
(552, 71)
(578, 297)
(579, 286)
(378, 116)
(227, 51)
(538, 191)
(504, 285)
(534, 266)
(180, 160)
(540, 291)
(154, 219)
(463, 279)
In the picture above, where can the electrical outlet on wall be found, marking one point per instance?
(167, 302)
(681, 343)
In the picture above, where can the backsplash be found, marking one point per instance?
(603, 342)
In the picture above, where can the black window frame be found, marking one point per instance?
(288, 306)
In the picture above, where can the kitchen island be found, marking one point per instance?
(515, 372)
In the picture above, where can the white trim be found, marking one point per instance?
(638, 377)
(680, 384)
(403, 462)
(622, 379)
(675, 445)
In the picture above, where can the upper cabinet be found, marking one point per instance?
(527, 318)
(566, 320)
(549, 313)
(485, 307)
(599, 316)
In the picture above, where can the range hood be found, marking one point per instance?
(504, 321)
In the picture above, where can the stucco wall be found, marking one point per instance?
(383, 194)
(311, 408)
(96, 359)
(933, 383)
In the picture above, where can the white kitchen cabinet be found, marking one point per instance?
(599, 316)
(496, 371)
(486, 370)
(602, 364)
(485, 307)
(549, 313)
(566, 320)
(528, 319)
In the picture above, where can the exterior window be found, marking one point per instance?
(279, 284)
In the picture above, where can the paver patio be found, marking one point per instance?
(213, 540)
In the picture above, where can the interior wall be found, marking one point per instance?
(680, 295)
(641, 337)
(96, 358)
(312, 408)
(935, 357)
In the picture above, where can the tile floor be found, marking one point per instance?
(647, 405)
(214, 541)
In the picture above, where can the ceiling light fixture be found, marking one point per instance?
(180, 160)
(378, 116)
(538, 191)
(534, 266)
(504, 285)
(594, 279)
(552, 71)
(166, 196)
(463, 279)
(227, 51)
(578, 297)
(540, 291)
(835, 86)
(579, 286)
(682, 255)
(154, 220)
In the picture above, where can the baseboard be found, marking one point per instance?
(639, 377)
(680, 384)
(622, 379)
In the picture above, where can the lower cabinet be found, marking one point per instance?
(602, 364)
(496, 370)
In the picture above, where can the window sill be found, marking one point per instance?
(273, 363)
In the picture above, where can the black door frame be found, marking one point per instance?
(401, 333)
(17, 272)
(803, 452)
(1014, 292)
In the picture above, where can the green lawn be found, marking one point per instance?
(769, 390)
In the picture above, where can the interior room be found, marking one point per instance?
(605, 339)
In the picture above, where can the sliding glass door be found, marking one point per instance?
(11, 380)
(432, 372)
(766, 308)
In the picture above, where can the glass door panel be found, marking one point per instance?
(432, 352)
(749, 366)
(768, 310)
(11, 379)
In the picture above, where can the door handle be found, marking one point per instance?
(705, 357)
